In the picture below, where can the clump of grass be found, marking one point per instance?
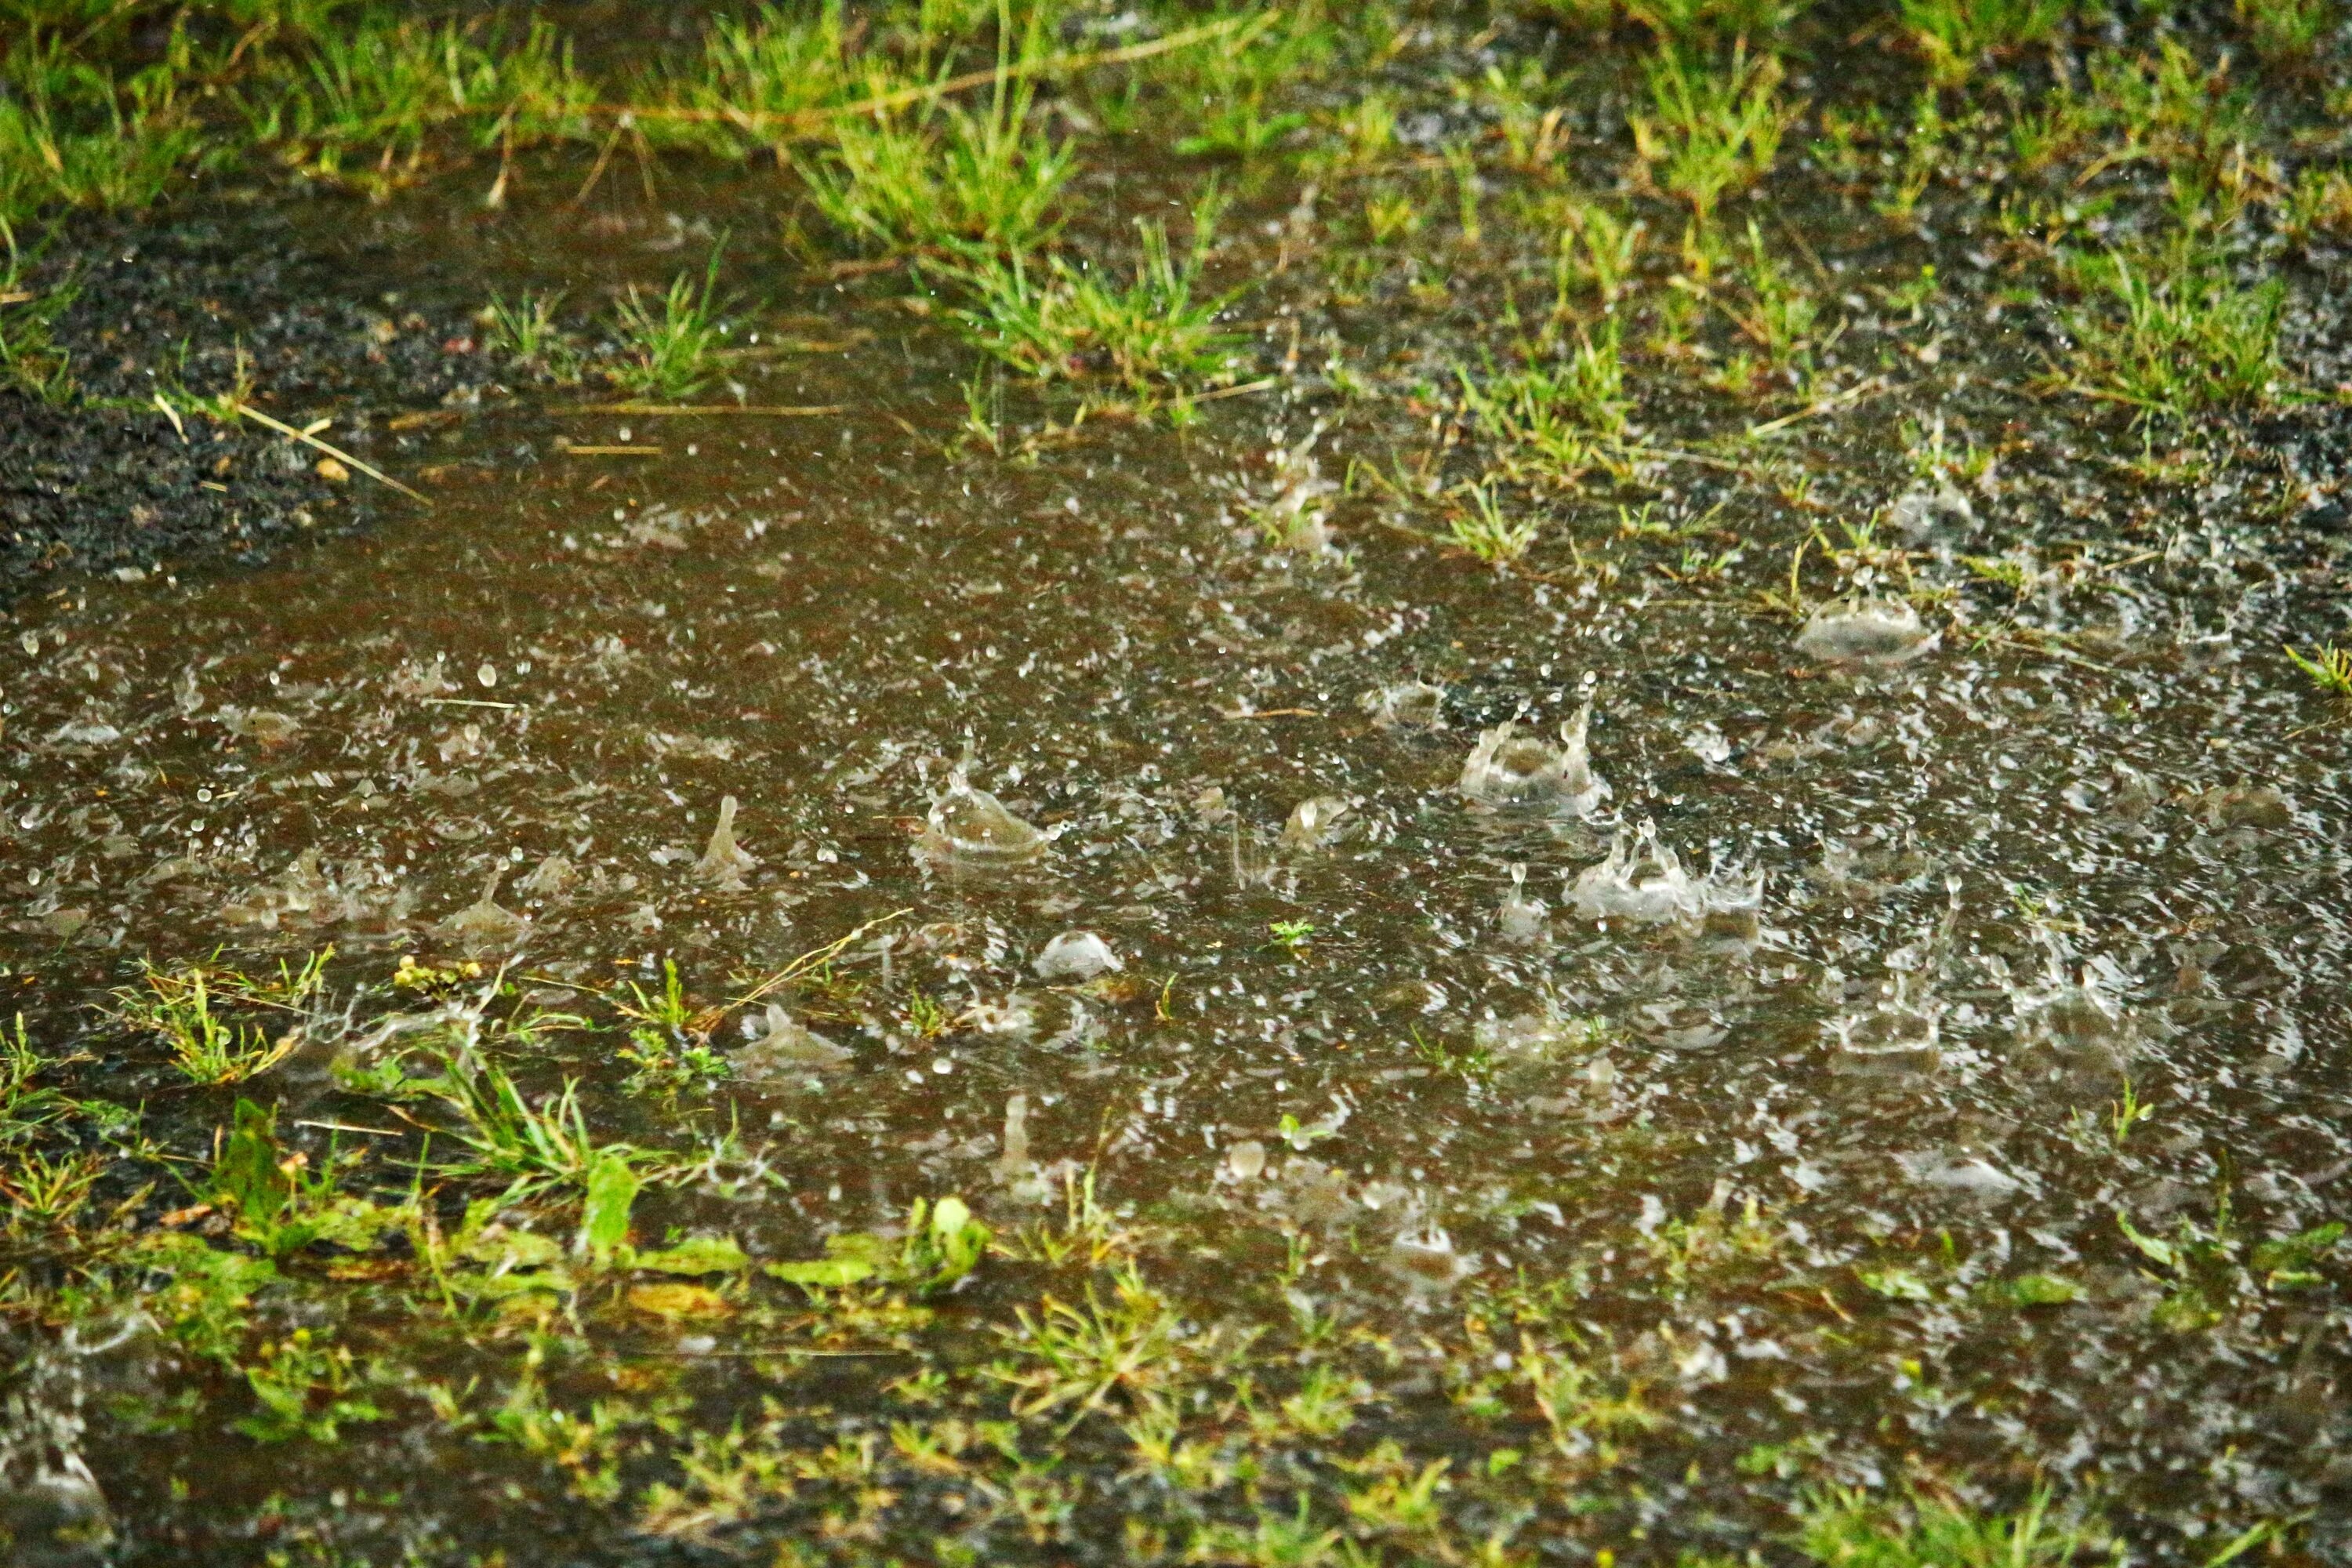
(1235, 82)
(670, 343)
(1779, 313)
(2329, 668)
(2319, 203)
(755, 75)
(1484, 530)
(184, 1008)
(1849, 1528)
(2172, 331)
(1155, 332)
(524, 329)
(2286, 30)
(939, 176)
(1711, 132)
(1556, 413)
(1955, 37)
(73, 133)
(30, 359)
(361, 107)
(1596, 252)
(1712, 21)
(533, 1147)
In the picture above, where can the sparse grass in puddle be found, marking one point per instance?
(30, 359)
(1955, 37)
(1229, 90)
(1597, 249)
(669, 344)
(1486, 532)
(183, 1007)
(525, 328)
(941, 177)
(2329, 669)
(1554, 412)
(2286, 30)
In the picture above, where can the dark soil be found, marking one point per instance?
(171, 304)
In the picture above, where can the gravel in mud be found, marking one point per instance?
(180, 306)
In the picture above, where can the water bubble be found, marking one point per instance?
(1077, 955)
(1244, 1161)
(1866, 631)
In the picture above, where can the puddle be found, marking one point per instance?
(1644, 1050)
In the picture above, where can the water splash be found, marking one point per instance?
(970, 826)
(786, 1049)
(1505, 769)
(1314, 823)
(1644, 882)
(1410, 705)
(483, 926)
(1520, 918)
(724, 862)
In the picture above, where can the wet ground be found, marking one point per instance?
(1924, 1064)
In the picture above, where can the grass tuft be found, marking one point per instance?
(1711, 132)
(2172, 331)
(1154, 333)
(1847, 1527)
(669, 343)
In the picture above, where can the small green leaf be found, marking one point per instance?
(2161, 1253)
(1896, 1284)
(247, 1173)
(2032, 1291)
(696, 1255)
(613, 1184)
(825, 1273)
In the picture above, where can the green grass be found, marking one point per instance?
(939, 176)
(221, 1026)
(1153, 332)
(1845, 1528)
(1484, 530)
(2171, 330)
(1711, 131)
(670, 343)
(362, 105)
(2329, 667)
(1956, 36)
(1554, 412)
(2286, 30)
